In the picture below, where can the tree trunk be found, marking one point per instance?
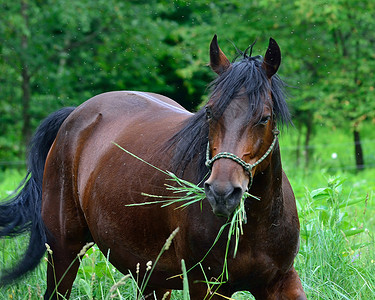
(25, 75)
(358, 153)
(359, 160)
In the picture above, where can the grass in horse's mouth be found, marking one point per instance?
(186, 193)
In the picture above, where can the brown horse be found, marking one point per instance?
(79, 184)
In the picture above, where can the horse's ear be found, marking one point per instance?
(272, 59)
(219, 63)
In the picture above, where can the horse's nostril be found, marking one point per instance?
(237, 193)
(207, 189)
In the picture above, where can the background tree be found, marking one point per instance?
(58, 53)
(346, 64)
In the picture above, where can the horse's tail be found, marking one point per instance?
(21, 212)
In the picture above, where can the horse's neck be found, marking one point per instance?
(267, 186)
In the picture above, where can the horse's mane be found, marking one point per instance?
(243, 77)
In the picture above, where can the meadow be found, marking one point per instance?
(337, 214)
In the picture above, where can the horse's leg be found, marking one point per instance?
(63, 264)
(291, 287)
(67, 234)
(287, 287)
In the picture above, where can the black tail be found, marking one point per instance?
(22, 212)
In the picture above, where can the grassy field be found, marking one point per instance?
(336, 208)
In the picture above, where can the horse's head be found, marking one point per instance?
(242, 123)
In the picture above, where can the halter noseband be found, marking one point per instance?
(247, 166)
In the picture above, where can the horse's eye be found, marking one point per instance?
(208, 113)
(264, 120)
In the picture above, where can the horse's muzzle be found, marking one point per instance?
(224, 198)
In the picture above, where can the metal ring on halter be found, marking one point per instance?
(247, 167)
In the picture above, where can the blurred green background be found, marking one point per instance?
(56, 53)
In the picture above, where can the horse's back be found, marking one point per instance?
(127, 105)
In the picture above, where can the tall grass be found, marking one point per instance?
(336, 258)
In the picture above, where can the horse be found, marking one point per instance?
(80, 184)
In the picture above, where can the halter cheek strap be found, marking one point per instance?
(246, 166)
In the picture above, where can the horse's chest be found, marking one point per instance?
(260, 259)
(256, 265)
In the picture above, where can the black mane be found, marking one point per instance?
(243, 77)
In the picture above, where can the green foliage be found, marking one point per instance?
(336, 256)
(74, 50)
(326, 206)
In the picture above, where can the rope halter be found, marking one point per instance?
(246, 166)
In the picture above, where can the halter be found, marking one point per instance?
(247, 166)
